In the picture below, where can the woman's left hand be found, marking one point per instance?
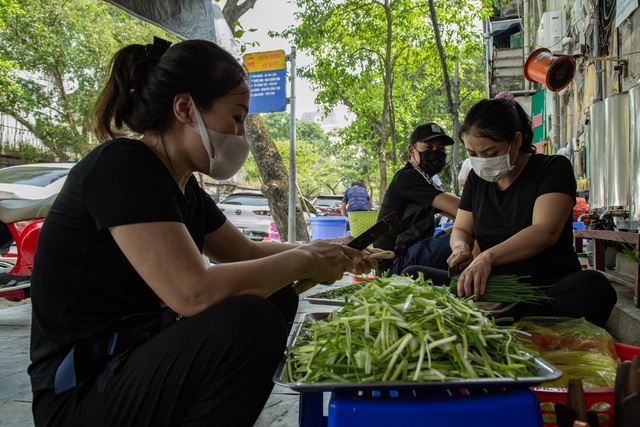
(473, 279)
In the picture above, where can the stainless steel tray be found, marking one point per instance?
(318, 298)
(542, 372)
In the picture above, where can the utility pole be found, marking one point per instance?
(455, 154)
(291, 229)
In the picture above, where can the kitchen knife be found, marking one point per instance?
(375, 232)
(454, 271)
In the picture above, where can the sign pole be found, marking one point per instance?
(292, 151)
(267, 84)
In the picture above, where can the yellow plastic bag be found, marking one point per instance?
(577, 347)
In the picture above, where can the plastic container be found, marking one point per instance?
(328, 227)
(555, 72)
(600, 399)
(578, 225)
(359, 221)
(450, 408)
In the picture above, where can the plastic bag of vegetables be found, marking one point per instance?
(577, 347)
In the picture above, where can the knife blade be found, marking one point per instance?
(376, 231)
(454, 271)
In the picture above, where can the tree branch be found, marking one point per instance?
(23, 121)
(232, 11)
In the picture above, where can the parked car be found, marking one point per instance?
(328, 204)
(34, 181)
(249, 211)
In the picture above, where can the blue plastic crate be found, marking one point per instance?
(450, 408)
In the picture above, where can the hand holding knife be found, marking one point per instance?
(361, 242)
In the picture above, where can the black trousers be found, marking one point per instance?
(585, 293)
(213, 369)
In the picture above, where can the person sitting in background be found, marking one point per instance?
(518, 205)
(130, 326)
(355, 199)
(415, 198)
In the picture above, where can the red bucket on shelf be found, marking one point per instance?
(598, 399)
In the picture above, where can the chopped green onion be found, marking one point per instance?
(400, 329)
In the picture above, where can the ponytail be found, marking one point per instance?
(144, 80)
(129, 68)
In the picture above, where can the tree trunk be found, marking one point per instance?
(275, 182)
(386, 103)
(274, 174)
(451, 107)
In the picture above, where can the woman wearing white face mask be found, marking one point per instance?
(119, 259)
(518, 206)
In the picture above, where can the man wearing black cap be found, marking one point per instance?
(416, 199)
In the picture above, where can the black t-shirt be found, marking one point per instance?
(82, 284)
(498, 215)
(410, 195)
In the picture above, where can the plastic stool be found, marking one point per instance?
(450, 408)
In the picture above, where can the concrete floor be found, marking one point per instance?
(281, 409)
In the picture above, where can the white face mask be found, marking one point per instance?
(230, 150)
(492, 169)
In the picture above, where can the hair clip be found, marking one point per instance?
(157, 49)
(507, 96)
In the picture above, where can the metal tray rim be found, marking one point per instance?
(546, 372)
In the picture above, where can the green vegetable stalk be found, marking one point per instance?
(398, 329)
(508, 288)
(631, 252)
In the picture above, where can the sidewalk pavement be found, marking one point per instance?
(281, 410)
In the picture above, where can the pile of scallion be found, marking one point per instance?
(508, 288)
(397, 329)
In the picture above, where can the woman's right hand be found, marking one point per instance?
(329, 261)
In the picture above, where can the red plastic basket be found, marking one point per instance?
(599, 399)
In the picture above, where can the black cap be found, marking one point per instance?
(428, 131)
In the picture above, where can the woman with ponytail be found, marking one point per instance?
(518, 206)
(130, 326)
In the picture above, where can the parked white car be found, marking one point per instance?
(33, 181)
(36, 181)
(249, 212)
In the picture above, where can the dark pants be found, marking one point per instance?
(585, 293)
(431, 252)
(215, 368)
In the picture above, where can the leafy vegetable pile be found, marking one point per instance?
(398, 329)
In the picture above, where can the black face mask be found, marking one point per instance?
(432, 162)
